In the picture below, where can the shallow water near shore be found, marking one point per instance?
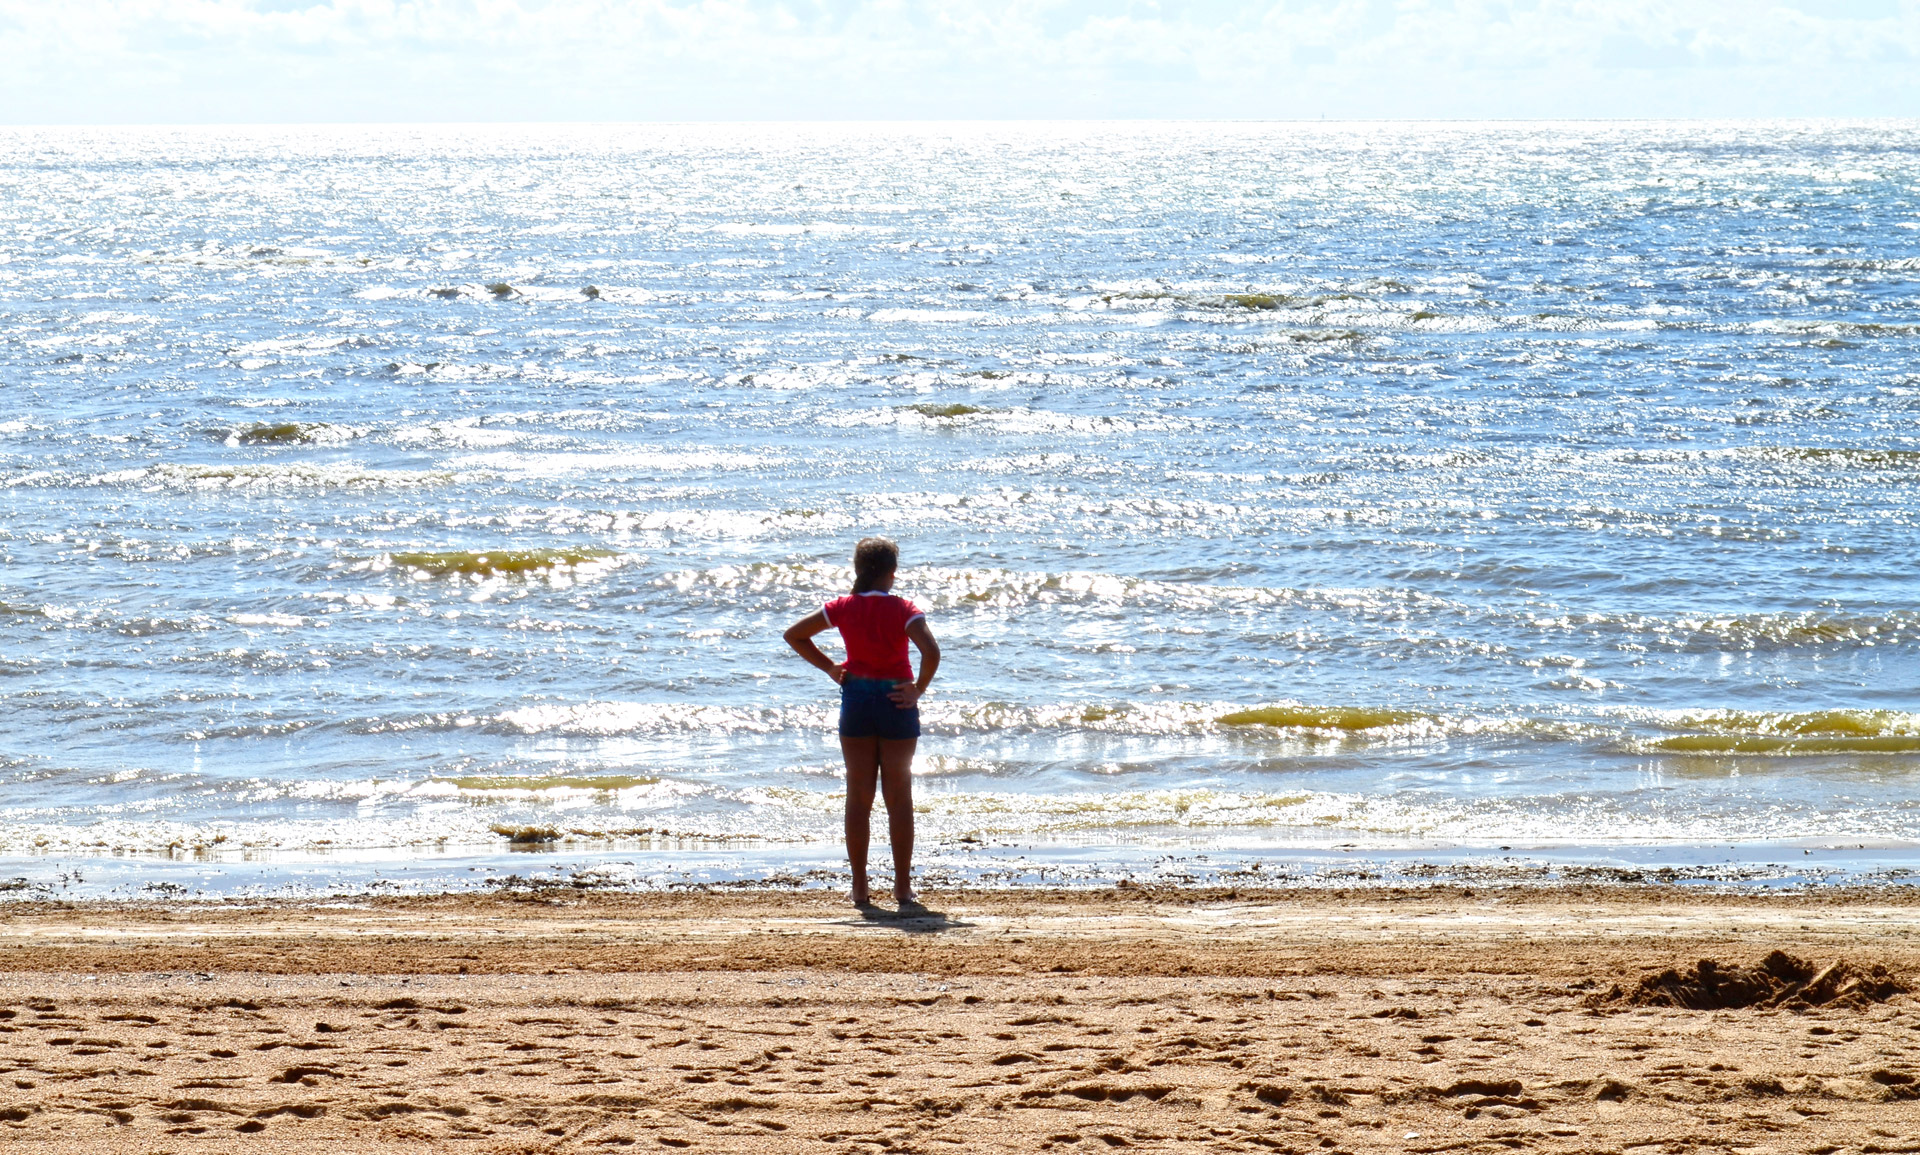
(946, 874)
(1279, 493)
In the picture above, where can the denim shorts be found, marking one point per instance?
(867, 712)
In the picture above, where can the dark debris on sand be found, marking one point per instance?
(1778, 980)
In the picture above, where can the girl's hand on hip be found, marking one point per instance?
(905, 695)
(838, 673)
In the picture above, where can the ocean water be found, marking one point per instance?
(1413, 492)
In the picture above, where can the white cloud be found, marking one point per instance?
(276, 60)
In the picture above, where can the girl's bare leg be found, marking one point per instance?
(896, 784)
(863, 771)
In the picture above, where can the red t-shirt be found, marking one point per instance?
(874, 626)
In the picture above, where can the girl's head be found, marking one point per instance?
(874, 561)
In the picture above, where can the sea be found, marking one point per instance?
(415, 509)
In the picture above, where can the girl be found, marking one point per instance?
(879, 702)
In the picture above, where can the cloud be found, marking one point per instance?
(399, 60)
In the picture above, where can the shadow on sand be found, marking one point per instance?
(911, 918)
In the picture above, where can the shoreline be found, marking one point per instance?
(1245, 928)
(778, 867)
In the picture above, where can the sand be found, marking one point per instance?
(1318, 1022)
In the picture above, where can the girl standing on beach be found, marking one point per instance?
(879, 702)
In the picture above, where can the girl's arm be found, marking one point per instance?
(799, 635)
(907, 694)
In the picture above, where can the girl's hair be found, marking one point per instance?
(873, 559)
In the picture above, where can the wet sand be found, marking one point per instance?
(1009, 1021)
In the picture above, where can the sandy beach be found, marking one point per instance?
(1419, 1021)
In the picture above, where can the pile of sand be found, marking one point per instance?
(1778, 980)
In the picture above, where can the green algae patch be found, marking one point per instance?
(955, 410)
(1840, 723)
(498, 562)
(1349, 718)
(1264, 301)
(1777, 744)
(1811, 732)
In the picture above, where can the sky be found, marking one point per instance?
(278, 61)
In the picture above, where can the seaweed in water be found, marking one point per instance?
(1778, 980)
(527, 835)
(1318, 718)
(290, 433)
(954, 410)
(1254, 300)
(275, 433)
(496, 562)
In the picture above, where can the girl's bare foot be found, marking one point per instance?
(861, 897)
(906, 898)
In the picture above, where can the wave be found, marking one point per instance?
(1728, 732)
(1833, 328)
(615, 719)
(1305, 725)
(1013, 419)
(270, 476)
(1787, 630)
(1250, 300)
(1267, 731)
(441, 816)
(1868, 265)
(469, 433)
(1350, 313)
(283, 345)
(947, 589)
(1841, 457)
(929, 316)
(524, 464)
(930, 410)
(507, 784)
(214, 255)
(277, 620)
(1386, 309)
(790, 229)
